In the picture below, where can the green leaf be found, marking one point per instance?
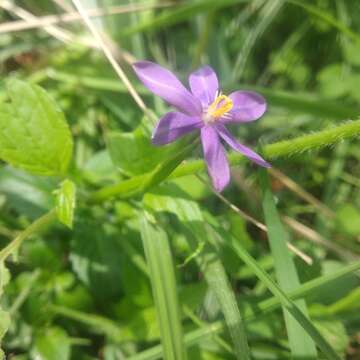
(348, 217)
(163, 170)
(301, 344)
(96, 258)
(218, 281)
(348, 130)
(350, 302)
(170, 198)
(141, 183)
(334, 332)
(53, 344)
(264, 307)
(33, 132)
(30, 195)
(65, 202)
(290, 306)
(133, 152)
(162, 276)
(333, 80)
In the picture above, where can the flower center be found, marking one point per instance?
(218, 108)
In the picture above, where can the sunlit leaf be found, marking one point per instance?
(65, 202)
(34, 134)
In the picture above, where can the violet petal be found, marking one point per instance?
(165, 84)
(173, 125)
(247, 106)
(232, 142)
(215, 157)
(204, 84)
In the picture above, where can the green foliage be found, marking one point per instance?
(65, 202)
(161, 271)
(172, 199)
(34, 134)
(154, 264)
(348, 217)
(94, 255)
(130, 151)
(52, 344)
(301, 344)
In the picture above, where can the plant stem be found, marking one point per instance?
(316, 140)
(31, 229)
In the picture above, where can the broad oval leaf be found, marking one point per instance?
(34, 134)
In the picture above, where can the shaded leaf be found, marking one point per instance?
(95, 257)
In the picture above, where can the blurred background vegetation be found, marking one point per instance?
(83, 294)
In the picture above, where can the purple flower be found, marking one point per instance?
(206, 109)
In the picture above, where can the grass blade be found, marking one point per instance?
(264, 307)
(162, 277)
(288, 304)
(173, 200)
(300, 342)
(216, 277)
(267, 15)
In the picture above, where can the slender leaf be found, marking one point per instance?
(162, 277)
(263, 307)
(172, 199)
(301, 344)
(292, 308)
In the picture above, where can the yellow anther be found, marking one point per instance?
(221, 105)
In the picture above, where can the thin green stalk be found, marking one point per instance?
(140, 184)
(30, 230)
(202, 324)
(99, 324)
(21, 298)
(316, 140)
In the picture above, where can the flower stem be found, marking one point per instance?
(316, 140)
(31, 229)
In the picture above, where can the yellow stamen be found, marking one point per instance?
(226, 105)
